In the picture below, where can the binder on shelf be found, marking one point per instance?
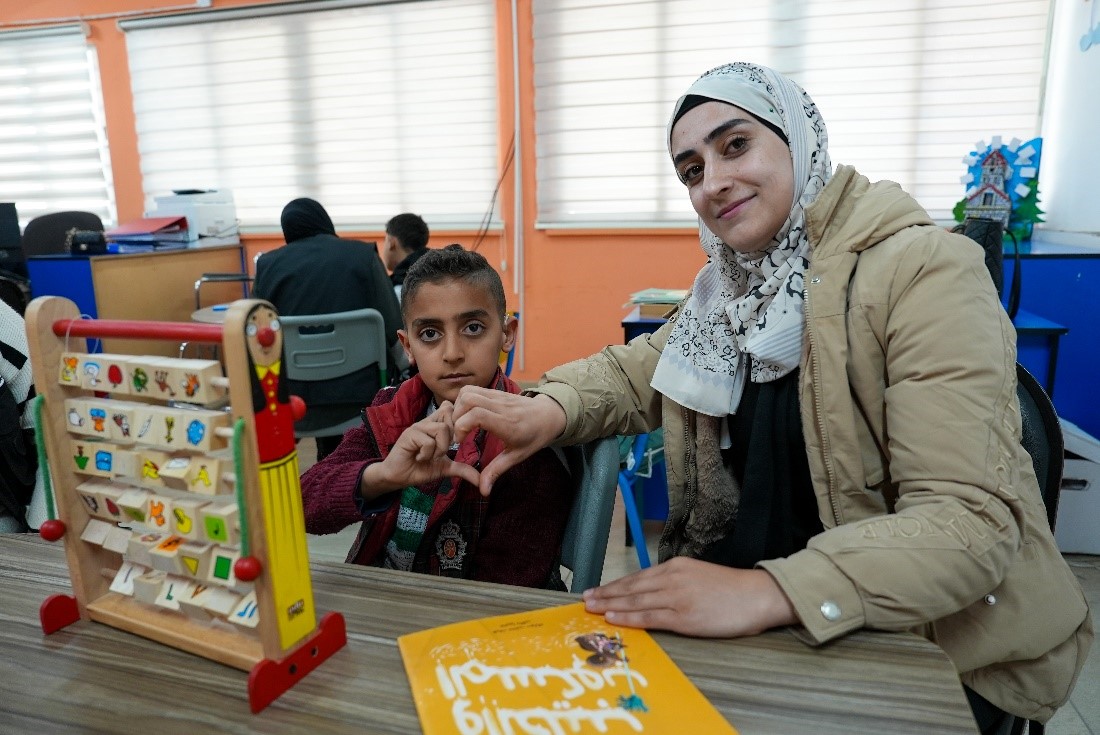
(150, 231)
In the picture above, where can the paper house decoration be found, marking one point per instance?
(1002, 185)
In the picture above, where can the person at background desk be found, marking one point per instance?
(317, 272)
(414, 494)
(842, 434)
(406, 242)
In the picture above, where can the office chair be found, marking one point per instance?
(243, 278)
(48, 234)
(15, 292)
(1042, 438)
(330, 361)
(626, 481)
(593, 467)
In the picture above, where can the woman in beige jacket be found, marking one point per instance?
(842, 434)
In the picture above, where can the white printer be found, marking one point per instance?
(209, 213)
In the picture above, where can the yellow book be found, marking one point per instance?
(555, 670)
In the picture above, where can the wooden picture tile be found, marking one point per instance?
(95, 531)
(68, 370)
(204, 476)
(123, 582)
(220, 523)
(104, 372)
(198, 429)
(186, 521)
(246, 613)
(195, 381)
(89, 457)
(141, 545)
(147, 586)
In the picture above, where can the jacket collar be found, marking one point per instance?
(853, 214)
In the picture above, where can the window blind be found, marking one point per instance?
(53, 144)
(370, 110)
(906, 89)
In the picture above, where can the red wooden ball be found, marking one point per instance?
(297, 408)
(247, 568)
(52, 530)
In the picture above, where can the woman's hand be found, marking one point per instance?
(525, 425)
(694, 598)
(419, 456)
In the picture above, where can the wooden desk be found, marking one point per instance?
(91, 677)
(155, 286)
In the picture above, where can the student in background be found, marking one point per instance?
(415, 494)
(18, 453)
(317, 272)
(406, 242)
(842, 433)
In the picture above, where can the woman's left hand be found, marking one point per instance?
(694, 598)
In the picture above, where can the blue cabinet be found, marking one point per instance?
(1059, 283)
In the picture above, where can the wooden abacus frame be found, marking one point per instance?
(277, 657)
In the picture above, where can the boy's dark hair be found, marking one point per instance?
(410, 230)
(453, 263)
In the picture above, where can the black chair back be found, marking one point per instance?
(48, 234)
(1042, 438)
(15, 292)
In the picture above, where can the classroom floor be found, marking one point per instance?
(1080, 716)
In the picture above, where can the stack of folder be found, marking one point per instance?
(657, 303)
(148, 233)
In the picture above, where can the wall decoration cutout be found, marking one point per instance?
(1002, 183)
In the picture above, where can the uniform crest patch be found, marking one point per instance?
(450, 547)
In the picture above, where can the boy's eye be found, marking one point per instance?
(429, 334)
(474, 328)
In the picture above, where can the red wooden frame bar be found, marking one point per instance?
(127, 329)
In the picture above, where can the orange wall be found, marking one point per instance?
(575, 282)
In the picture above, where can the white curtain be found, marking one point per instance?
(53, 144)
(372, 110)
(906, 87)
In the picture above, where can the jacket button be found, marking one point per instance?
(830, 611)
(991, 599)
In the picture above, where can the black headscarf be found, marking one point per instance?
(303, 218)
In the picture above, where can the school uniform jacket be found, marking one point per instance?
(932, 513)
(512, 537)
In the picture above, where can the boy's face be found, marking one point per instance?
(453, 334)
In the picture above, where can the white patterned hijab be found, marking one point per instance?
(744, 315)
